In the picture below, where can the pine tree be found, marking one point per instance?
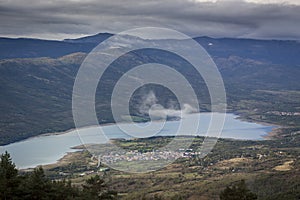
(8, 177)
(95, 188)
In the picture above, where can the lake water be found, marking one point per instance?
(43, 150)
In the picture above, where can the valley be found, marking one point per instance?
(261, 79)
(258, 87)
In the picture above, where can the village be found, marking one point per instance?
(154, 155)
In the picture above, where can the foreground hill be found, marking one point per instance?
(270, 169)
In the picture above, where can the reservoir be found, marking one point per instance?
(48, 149)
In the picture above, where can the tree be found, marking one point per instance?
(8, 177)
(36, 185)
(95, 188)
(238, 191)
(64, 190)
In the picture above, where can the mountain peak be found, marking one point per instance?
(90, 39)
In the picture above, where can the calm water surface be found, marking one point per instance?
(48, 149)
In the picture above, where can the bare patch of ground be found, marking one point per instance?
(285, 166)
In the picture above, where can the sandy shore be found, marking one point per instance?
(273, 134)
(67, 159)
(276, 130)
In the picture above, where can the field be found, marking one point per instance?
(270, 169)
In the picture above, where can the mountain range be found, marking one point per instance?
(37, 77)
(271, 51)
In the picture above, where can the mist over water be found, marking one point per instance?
(149, 106)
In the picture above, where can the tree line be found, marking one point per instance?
(36, 186)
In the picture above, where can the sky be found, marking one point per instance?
(57, 19)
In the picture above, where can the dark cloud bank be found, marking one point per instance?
(61, 19)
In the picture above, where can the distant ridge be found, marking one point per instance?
(34, 48)
(98, 38)
(271, 51)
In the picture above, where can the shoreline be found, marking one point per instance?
(239, 117)
(70, 130)
(271, 135)
(68, 156)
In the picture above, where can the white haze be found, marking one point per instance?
(149, 106)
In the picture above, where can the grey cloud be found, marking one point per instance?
(220, 19)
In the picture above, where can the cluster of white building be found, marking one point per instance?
(130, 156)
(284, 113)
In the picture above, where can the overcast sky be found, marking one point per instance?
(57, 19)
